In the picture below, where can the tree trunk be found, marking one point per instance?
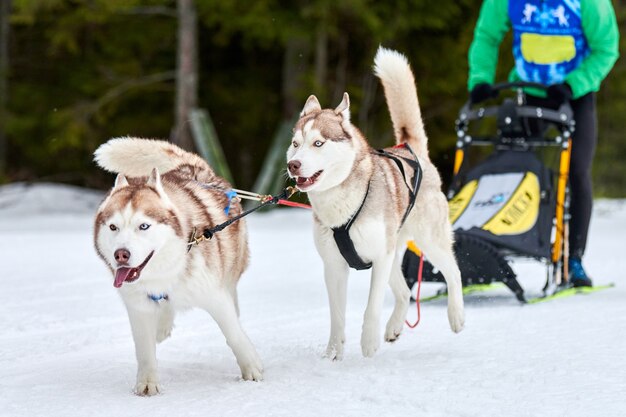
(5, 12)
(321, 60)
(186, 73)
(293, 66)
(370, 84)
(341, 73)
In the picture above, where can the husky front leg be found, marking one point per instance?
(336, 277)
(370, 336)
(221, 306)
(144, 327)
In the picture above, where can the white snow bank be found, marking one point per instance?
(23, 199)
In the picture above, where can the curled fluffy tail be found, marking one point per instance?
(137, 157)
(397, 78)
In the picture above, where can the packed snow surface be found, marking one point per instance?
(66, 347)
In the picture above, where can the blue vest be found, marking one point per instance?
(548, 39)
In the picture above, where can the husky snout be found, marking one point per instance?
(122, 256)
(303, 183)
(294, 167)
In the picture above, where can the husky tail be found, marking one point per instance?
(137, 157)
(397, 78)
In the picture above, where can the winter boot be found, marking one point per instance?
(577, 275)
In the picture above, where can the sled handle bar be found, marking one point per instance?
(563, 115)
(518, 84)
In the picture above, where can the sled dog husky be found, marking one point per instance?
(141, 232)
(346, 180)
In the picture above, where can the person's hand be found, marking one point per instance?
(482, 92)
(559, 92)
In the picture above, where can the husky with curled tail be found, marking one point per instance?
(142, 228)
(366, 205)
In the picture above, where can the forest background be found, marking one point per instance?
(74, 73)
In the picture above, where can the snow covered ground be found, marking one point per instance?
(66, 348)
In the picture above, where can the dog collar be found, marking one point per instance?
(157, 298)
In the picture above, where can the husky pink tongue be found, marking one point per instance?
(128, 274)
(123, 274)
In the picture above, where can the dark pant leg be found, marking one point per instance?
(584, 142)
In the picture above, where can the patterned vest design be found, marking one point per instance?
(548, 39)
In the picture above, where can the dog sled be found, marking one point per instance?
(510, 203)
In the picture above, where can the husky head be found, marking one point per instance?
(324, 146)
(137, 232)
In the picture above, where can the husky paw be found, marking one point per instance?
(456, 317)
(147, 388)
(250, 364)
(394, 330)
(252, 372)
(334, 351)
(370, 342)
(147, 382)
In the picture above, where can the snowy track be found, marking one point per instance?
(66, 348)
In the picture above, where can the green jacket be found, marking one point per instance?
(599, 26)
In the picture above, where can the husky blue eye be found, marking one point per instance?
(144, 226)
(318, 143)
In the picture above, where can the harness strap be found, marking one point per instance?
(342, 233)
(345, 244)
(416, 180)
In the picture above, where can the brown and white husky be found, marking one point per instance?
(347, 181)
(141, 231)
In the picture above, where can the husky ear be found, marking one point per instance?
(120, 181)
(311, 105)
(154, 180)
(344, 108)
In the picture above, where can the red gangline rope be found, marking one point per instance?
(417, 296)
(293, 204)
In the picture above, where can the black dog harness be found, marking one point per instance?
(346, 245)
(342, 233)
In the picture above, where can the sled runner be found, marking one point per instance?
(511, 203)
